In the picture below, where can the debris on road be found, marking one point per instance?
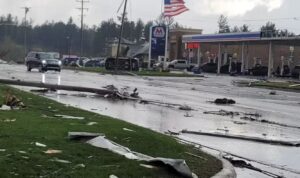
(185, 108)
(40, 144)
(188, 115)
(69, 117)
(247, 138)
(252, 119)
(273, 93)
(224, 101)
(239, 123)
(223, 113)
(243, 164)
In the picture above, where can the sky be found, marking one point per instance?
(203, 14)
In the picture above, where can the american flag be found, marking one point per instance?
(174, 7)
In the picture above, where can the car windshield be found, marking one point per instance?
(45, 56)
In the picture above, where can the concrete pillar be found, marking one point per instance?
(230, 66)
(271, 60)
(199, 56)
(219, 59)
(243, 58)
(225, 58)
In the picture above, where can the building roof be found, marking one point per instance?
(237, 37)
(138, 49)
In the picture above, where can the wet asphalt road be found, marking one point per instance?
(195, 92)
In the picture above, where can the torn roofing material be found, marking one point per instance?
(100, 141)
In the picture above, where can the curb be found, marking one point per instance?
(227, 171)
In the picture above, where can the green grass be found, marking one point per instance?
(277, 85)
(139, 73)
(30, 126)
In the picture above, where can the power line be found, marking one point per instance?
(82, 8)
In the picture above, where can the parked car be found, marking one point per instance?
(127, 64)
(180, 64)
(42, 61)
(210, 67)
(296, 71)
(259, 70)
(95, 62)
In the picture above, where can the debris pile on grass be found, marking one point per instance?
(12, 102)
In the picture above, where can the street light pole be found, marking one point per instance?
(25, 29)
(120, 36)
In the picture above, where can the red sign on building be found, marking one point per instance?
(193, 45)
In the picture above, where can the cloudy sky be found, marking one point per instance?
(203, 13)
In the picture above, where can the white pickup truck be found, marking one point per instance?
(180, 64)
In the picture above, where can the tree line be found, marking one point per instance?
(65, 37)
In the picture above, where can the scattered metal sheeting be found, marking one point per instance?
(5, 108)
(241, 137)
(83, 135)
(243, 164)
(178, 165)
(68, 117)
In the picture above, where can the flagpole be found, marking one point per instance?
(150, 46)
(166, 46)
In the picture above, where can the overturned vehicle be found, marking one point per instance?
(123, 63)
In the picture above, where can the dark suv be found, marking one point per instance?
(42, 61)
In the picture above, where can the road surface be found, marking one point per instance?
(197, 93)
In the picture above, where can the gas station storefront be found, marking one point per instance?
(195, 45)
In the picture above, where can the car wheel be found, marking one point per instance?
(41, 70)
(28, 68)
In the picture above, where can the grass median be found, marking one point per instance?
(21, 129)
(148, 73)
(288, 86)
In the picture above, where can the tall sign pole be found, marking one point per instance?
(120, 36)
(82, 8)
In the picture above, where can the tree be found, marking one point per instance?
(269, 27)
(223, 24)
(243, 28)
(162, 20)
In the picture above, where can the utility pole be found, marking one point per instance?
(25, 29)
(82, 9)
(120, 35)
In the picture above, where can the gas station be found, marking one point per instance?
(244, 41)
